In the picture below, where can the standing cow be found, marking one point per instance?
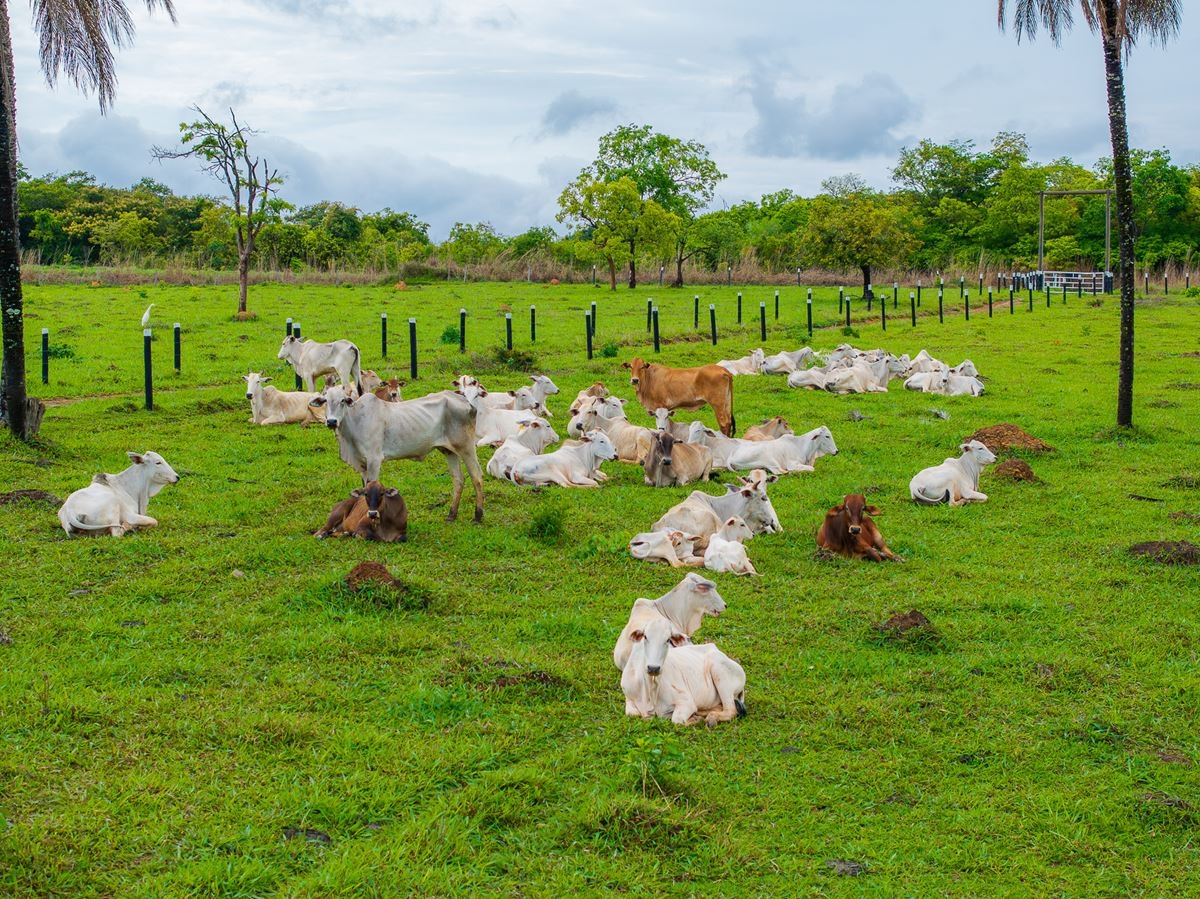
(312, 360)
(684, 388)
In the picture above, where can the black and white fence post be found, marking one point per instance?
(776, 307)
(508, 330)
(288, 332)
(762, 319)
(649, 314)
(712, 321)
(412, 349)
(1166, 288)
(918, 291)
(593, 276)
(660, 278)
(989, 301)
(45, 355)
(809, 304)
(696, 312)
(797, 277)
(841, 299)
(533, 323)
(178, 347)
(595, 317)
(1010, 297)
(462, 330)
(655, 316)
(739, 320)
(967, 304)
(847, 312)
(729, 275)
(941, 314)
(296, 334)
(149, 369)
(912, 306)
(895, 289)
(883, 314)
(383, 334)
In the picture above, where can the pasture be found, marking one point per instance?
(203, 709)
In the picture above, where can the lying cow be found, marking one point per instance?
(747, 365)
(389, 390)
(631, 441)
(596, 389)
(769, 429)
(668, 462)
(790, 453)
(703, 514)
(269, 406)
(117, 503)
(668, 676)
(726, 551)
(684, 388)
(955, 481)
(373, 512)
(604, 406)
(675, 548)
(568, 466)
(787, 362)
(684, 607)
(530, 440)
(849, 531)
(312, 360)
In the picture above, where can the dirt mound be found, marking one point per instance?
(1009, 437)
(371, 573)
(902, 623)
(373, 583)
(32, 496)
(1169, 552)
(1015, 470)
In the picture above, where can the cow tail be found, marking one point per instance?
(740, 705)
(357, 371)
(925, 500)
(732, 423)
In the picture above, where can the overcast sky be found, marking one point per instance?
(483, 111)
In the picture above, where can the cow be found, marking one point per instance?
(371, 431)
(747, 365)
(568, 466)
(702, 514)
(116, 503)
(269, 406)
(725, 551)
(370, 381)
(684, 388)
(675, 548)
(955, 481)
(810, 378)
(684, 607)
(787, 362)
(849, 531)
(866, 377)
(923, 362)
(669, 462)
(389, 390)
(373, 512)
(769, 429)
(677, 429)
(668, 676)
(494, 426)
(779, 456)
(632, 441)
(311, 360)
(596, 389)
(531, 439)
(951, 384)
(605, 407)
(926, 380)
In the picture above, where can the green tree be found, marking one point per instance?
(473, 244)
(1120, 23)
(860, 229)
(77, 39)
(251, 183)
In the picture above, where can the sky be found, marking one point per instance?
(479, 111)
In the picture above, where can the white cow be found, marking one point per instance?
(632, 441)
(925, 381)
(866, 377)
(684, 607)
(675, 548)
(959, 385)
(568, 466)
(966, 368)
(955, 481)
(494, 426)
(668, 676)
(269, 406)
(747, 365)
(702, 514)
(370, 431)
(796, 452)
(117, 503)
(725, 551)
(787, 362)
(811, 378)
(605, 407)
(923, 362)
(312, 360)
(533, 438)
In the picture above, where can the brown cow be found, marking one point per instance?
(669, 461)
(769, 429)
(373, 512)
(684, 388)
(848, 531)
(389, 390)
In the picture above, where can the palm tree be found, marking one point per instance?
(1120, 23)
(77, 37)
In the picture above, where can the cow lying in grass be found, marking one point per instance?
(373, 512)
(849, 531)
(955, 481)
(116, 503)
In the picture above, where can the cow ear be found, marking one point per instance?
(265, 380)
(317, 401)
(678, 639)
(637, 636)
(872, 510)
(771, 478)
(747, 492)
(730, 521)
(358, 491)
(137, 458)
(625, 365)
(391, 492)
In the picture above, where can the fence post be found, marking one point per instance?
(696, 312)
(981, 283)
(296, 334)
(1146, 276)
(1010, 297)
(810, 313)
(797, 277)
(918, 291)
(45, 355)
(941, 316)
(883, 314)
(656, 344)
(912, 304)
(962, 286)
(776, 307)
(593, 276)
(895, 302)
(595, 318)
(739, 321)
(847, 313)
(712, 321)
(587, 328)
(1166, 289)
(870, 297)
(288, 332)
(1047, 286)
(649, 313)
(383, 333)
(1030, 286)
(508, 330)
(660, 279)
(967, 304)
(762, 319)
(462, 330)
(177, 347)
(412, 349)
(148, 367)
(841, 299)
(1064, 289)
(729, 275)
(989, 301)
(533, 323)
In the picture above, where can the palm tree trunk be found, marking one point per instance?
(12, 310)
(1123, 182)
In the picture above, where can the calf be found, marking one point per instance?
(848, 531)
(769, 429)
(725, 551)
(669, 462)
(532, 438)
(373, 512)
(747, 365)
(955, 481)
(269, 406)
(684, 607)
(388, 391)
(673, 547)
(668, 676)
(785, 363)
(116, 503)
(569, 466)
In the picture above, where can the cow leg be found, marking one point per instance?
(452, 463)
(471, 461)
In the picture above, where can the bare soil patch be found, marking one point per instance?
(370, 581)
(1183, 482)
(29, 496)
(903, 623)
(1015, 470)
(1168, 552)
(1009, 437)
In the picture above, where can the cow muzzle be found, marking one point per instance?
(633, 381)
(373, 514)
(653, 670)
(331, 423)
(855, 529)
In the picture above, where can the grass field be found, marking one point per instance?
(202, 709)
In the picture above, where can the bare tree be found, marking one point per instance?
(1120, 23)
(76, 38)
(249, 180)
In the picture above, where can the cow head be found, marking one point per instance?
(756, 507)
(665, 444)
(657, 638)
(707, 599)
(602, 447)
(254, 381)
(548, 386)
(336, 401)
(978, 452)
(636, 367)
(159, 472)
(288, 349)
(853, 507)
(375, 493)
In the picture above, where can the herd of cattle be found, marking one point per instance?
(663, 673)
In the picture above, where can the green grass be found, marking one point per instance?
(202, 710)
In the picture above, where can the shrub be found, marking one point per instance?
(514, 359)
(609, 350)
(547, 526)
(450, 335)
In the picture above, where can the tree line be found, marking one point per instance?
(950, 206)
